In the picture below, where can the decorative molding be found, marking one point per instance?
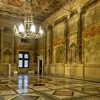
(92, 65)
(7, 52)
(79, 9)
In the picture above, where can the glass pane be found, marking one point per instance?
(25, 55)
(20, 64)
(20, 56)
(25, 63)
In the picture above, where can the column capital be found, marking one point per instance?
(46, 28)
(79, 9)
(50, 26)
(69, 15)
(53, 24)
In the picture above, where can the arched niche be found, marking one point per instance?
(7, 56)
(72, 52)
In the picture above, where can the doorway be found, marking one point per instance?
(40, 65)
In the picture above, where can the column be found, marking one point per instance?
(2, 29)
(9, 69)
(79, 36)
(45, 46)
(51, 43)
(67, 37)
(67, 40)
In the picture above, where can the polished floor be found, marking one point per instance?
(32, 87)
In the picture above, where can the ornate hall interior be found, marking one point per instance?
(49, 49)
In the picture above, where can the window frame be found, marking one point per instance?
(23, 59)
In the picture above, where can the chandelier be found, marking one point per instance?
(28, 28)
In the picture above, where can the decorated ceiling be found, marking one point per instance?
(41, 9)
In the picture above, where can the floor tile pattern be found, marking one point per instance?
(33, 87)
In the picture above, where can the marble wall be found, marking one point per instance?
(70, 46)
(27, 45)
(91, 42)
(75, 48)
(10, 46)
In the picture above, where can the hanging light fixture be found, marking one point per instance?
(28, 29)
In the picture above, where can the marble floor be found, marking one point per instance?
(32, 87)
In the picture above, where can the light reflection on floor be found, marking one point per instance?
(23, 83)
(28, 87)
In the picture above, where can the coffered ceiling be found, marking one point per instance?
(41, 9)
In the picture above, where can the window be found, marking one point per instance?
(23, 60)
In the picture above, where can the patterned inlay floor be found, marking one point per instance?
(32, 87)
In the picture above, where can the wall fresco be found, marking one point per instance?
(60, 54)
